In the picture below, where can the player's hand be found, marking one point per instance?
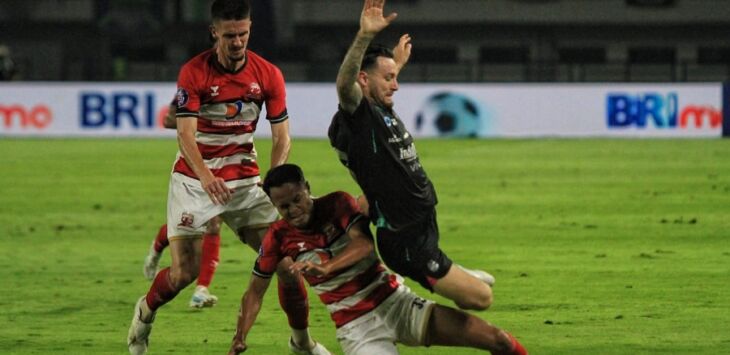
(237, 347)
(217, 190)
(309, 268)
(402, 50)
(372, 20)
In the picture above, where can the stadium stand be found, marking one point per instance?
(460, 41)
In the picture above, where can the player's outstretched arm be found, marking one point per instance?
(250, 307)
(402, 51)
(372, 21)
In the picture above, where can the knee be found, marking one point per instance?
(181, 277)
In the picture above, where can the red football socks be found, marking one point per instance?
(161, 241)
(209, 259)
(161, 291)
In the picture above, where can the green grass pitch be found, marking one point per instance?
(599, 246)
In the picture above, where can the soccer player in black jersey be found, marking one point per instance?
(375, 146)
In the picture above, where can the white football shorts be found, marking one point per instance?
(403, 317)
(189, 208)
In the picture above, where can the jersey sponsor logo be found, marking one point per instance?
(409, 152)
(214, 90)
(233, 109)
(37, 117)
(182, 97)
(238, 113)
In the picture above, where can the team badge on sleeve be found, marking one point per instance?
(182, 97)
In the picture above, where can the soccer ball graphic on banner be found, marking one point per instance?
(450, 114)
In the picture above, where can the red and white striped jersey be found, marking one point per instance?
(349, 293)
(227, 107)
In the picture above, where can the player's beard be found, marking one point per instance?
(237, 57)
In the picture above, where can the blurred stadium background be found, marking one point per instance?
(457, 40)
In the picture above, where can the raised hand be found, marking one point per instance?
(402, 50)
(372, 20)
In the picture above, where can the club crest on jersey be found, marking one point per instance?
(214, 90)
(186, 220)
(182, 97)
(388, 121)
(254, 92)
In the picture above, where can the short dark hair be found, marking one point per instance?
(283, 174)
(230, 10)
(371, 56)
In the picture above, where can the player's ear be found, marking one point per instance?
(306, 184)
(213, 34)
(362, 78)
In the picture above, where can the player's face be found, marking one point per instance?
(293, 202)
(232, 39)
(382, 82)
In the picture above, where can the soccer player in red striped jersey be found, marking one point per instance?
(329, 241)
(210, 255)
(221, 93)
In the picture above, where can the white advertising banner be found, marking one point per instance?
(447, 110)
(84, 109)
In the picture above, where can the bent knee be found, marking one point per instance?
(181, 278)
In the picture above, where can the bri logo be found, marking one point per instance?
(626, 110)
(119, 109)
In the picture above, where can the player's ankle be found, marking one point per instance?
(302, 339)
(147, 315)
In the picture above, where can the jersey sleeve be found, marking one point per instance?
(276, 97)
(269, 255)
(348, 212)
(188, 98)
